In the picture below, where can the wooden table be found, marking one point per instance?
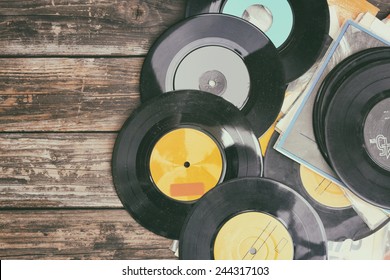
(69, 76)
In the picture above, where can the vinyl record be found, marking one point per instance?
(333, 80)
(233, 59)
(357, 132)
(252, 219)
(298, 28)
(174, 149)
(339, 218)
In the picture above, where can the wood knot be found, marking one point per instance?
(135, 14)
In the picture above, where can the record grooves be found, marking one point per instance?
(353, 126)
(238, 63)
(176, 147)
(332, 82)
(305, 24)
(270, 217)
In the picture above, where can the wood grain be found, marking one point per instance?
(57, 170)
(64, 94)
(84, 27)
(100, 234)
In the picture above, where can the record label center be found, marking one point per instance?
(185, 164)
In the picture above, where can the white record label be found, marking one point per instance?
(217, 70)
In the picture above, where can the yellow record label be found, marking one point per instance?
(323, 190)
(253, 236)
(185, 164)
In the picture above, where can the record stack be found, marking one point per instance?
(354, 142)
(188, 165)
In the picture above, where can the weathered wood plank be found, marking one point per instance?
(84, 27)
(103, 234)
(57, 170)
(63, 94)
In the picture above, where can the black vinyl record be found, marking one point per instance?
(176, 147)
(356, 129)
(333, 80)
(340, 220)
(357, 139)
(298, 28)
(223, 55)
(252, 219)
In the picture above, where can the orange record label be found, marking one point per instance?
(185, 164)
(178, 190)
(253, 236)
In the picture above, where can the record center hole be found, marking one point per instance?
(212, 83)
(187, 164)
(260, 16)
(253, 251)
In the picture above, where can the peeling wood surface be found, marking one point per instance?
(57, 170)
(84, 27)
(65, 94)
(72, 234)
(69, 78)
